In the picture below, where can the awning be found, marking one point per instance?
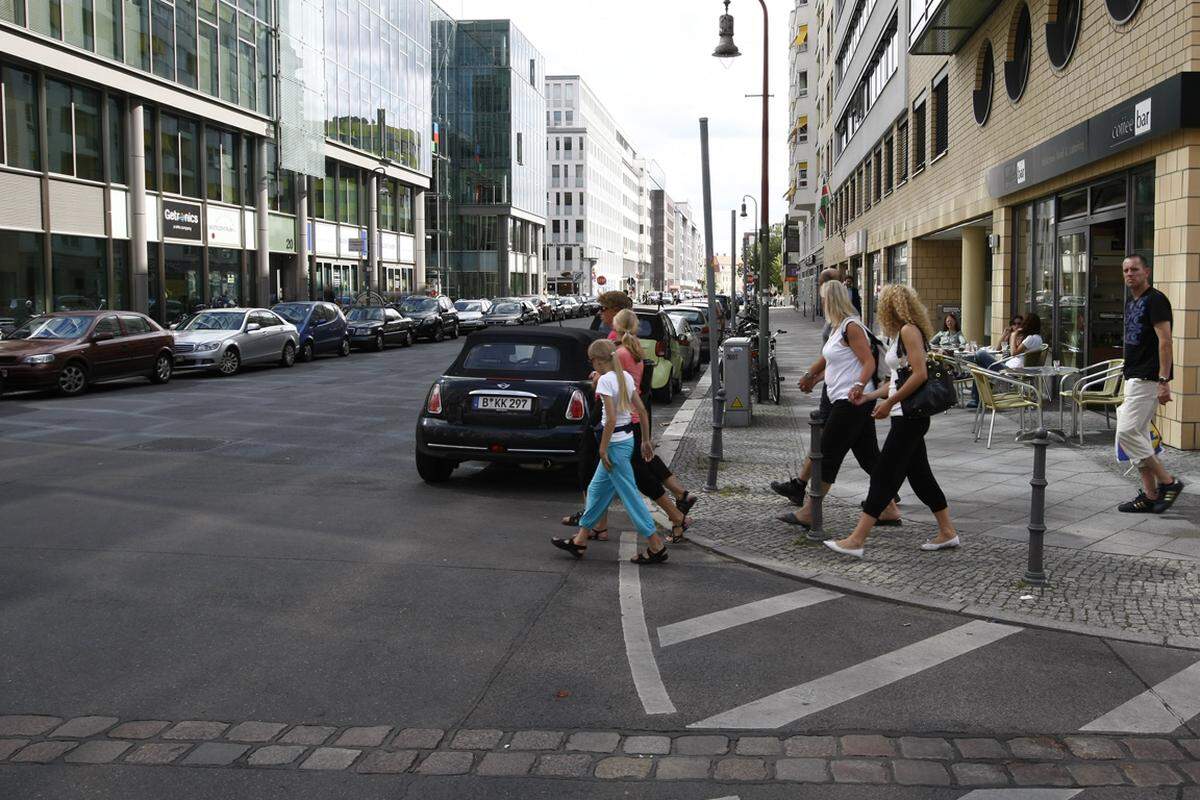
(790, 193)
(801, 37)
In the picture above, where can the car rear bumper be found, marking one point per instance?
(560, 445)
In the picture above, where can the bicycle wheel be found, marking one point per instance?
(775, 384)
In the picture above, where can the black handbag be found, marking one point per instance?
(936, 395)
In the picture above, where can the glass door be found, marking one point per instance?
(1106, 301)
(1070, 327)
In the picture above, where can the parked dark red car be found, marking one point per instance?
(68, 350)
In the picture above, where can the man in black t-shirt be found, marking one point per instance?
(1148, 373)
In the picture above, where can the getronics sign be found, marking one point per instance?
(1162, 109)
(181, 220)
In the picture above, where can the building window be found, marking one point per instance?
(73, 131)
(919, 136)
(579, 231)
(879, 71)
(222, 166)
(79, 272)
(1016, 65)
(22, 275)
(941, 116)
(520, 149)
(889, 166)
(802, 174)
(20, 119)
(985, 71)
(1122, 10)
(116, 139)
(533, 72)
(1062, 31)
(877, 175)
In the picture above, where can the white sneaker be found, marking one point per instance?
(946, 545)
(846, 551)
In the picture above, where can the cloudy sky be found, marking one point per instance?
(650, 63)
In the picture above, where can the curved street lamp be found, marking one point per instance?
(727, 49)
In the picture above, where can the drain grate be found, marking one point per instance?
(180, 444)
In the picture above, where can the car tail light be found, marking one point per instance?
(577, 408)
(660, 349)
(704, 330)
(434, 404)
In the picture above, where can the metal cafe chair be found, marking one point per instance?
(1099, 385)
(1018, 396)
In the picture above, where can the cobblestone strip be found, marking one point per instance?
(867, 758)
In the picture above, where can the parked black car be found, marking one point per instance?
(512, 312)
(378, 326)
(436, 317)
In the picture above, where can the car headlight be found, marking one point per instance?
(207, 347)
(45, 358)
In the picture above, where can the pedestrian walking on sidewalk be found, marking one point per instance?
(902, 315)
(849, 369)
(1148, 372)
(654, 478)
(614, 473)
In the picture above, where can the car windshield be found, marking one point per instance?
(418, 304)
(463, 305)
(512, 357)
(365, 315)
(294, 313)
(506, 308)
(688, 314)
(216, 321)
(645, 328)
(52, 328)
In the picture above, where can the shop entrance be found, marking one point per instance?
(336, 281)
(1089, 317)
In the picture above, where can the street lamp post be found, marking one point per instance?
(727, 49)
(374, 239)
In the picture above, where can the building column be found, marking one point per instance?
(139, 262)
(297, 279)
(502, 255)
(419, 271)
(975, 268)
(262, 218)
(374, 274)
(1002, 273)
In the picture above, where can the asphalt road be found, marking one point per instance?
(261, 548)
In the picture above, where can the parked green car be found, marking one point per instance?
(659, 346)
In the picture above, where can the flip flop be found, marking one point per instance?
(790, 519)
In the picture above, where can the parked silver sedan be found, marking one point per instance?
(226, 338)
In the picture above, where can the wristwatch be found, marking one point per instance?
(1163, 380)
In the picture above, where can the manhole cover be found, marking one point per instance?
(180, 444)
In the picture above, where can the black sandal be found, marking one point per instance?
(676, 538)
(685, 503)
(650, 557)
(576, 550)
(889, 523)
(790, 519)
(595, 534)
(573, 520)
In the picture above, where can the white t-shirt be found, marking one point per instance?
(1032, 342)
(607, 386)
(895, 362)
(842, 367)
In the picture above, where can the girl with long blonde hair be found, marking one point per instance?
(903, 317)
(614, 474)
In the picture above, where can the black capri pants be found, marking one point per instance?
(649, 475)
(904, 456)
(848, 427)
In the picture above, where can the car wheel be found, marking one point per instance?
(288, 358)
(377, 345)
(344, 350)
(72, 380)
(667, 393)
(454, 332)
(306, 352)
(433, 469)
(230, 363)
(438, 335)
(163, 368)
(408, 339)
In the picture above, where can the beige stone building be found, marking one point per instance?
(1012, 157)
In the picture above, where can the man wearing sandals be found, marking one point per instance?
(1148, 372)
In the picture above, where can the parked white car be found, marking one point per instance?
(224, 339)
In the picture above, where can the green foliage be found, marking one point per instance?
(774, 255)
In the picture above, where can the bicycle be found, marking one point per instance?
(774, 378)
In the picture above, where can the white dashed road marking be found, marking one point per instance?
(740, 615)
(642, 664)
(1160, 709)
(783, 708)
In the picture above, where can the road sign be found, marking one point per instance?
(357, 245)
(602, 280)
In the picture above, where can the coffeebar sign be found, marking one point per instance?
(181, 220)
(1167, 107)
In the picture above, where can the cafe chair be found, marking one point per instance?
(1016, 396)
(1099, 385)
(960, 369)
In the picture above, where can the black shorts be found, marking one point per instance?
(844, 427)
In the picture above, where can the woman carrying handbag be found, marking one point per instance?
(910, 398)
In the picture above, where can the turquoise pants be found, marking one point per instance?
(619, 482)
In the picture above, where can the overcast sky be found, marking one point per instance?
(650, 63)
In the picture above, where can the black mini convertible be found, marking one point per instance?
(513, 395)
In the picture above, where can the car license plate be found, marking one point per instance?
(492, 403)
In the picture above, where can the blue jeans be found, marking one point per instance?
(619, 482)
(990, 362)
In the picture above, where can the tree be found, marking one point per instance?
(774, 258)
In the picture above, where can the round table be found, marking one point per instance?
(1046, 375)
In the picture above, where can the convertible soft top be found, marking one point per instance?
(572, 344)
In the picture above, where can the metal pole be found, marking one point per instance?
(733, 303)
(718, 386)
(1035, 573)
(816, 490)
(764, 316)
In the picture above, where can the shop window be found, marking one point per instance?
(985, 76)
(1143, 214)
(22, 277)
(79, 273)
(1073, 204)
(1062, 31)
(1020, 49)
(941, 116)
(1022, 251)
(1042, 270)
(919, 136)
(1110, 194)
(1122, 11)
(120, 274)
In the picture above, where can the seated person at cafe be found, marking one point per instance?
(1027, 339)
(949, 337)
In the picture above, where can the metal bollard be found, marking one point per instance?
(717, 450)
(1035, 573)
(815, 487)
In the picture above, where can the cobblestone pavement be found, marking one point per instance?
(1121, 593)
(856, 758)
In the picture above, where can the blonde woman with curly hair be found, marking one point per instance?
(903, 318)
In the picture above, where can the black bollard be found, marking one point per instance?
(815, 486)
(717, 450)
(1035, 574)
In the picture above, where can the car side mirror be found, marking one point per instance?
(102, 336)
(252, 327)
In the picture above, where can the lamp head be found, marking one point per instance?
(725, 46)
(743, 210)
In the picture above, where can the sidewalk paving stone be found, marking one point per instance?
(1094, 747)
(215, 754)
(99, 751)
(867, 745)
(618, 767)
(363, 737)
(759, 746)
(275, 755)
(702, 745)
(83, 727)
(1148, 774)
(140, 729)
(157, 753)
(196, 730)
(576, 765)
(27, 725)
(535, 740)
(649, 745)
(805, 770)
(10, 746)
(737, 768)
(969, 774)
(332, 758)
(919, 773)
(308, 734)
(594, 741)
(1154, 750)
(1096, 774)
(383, 762)
(506, 764)
(682, 768)
(254, 731)
(484, 739)
(43, 752)
(858, 771)
(419, 738)
(924, 747)
(825, 746)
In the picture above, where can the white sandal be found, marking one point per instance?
(946, 545)
(846, 551)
